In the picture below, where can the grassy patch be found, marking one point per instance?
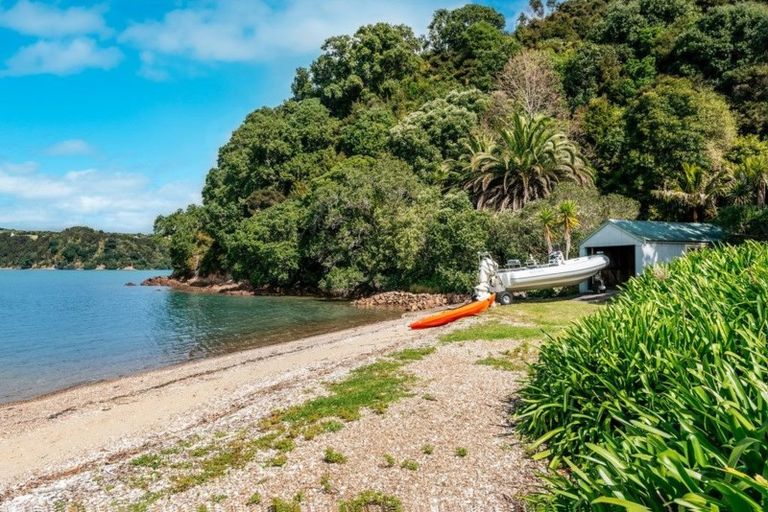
(331, 456)
(524, 321)
(372, 500)
(254, 499)
(277, 461)
(148, 460)
(410, 465)
(325, 483)
(428, 449)
(461, 452)
(389, 461)
(281, 505)
(428, 397)
(413, 354)
(374, 387)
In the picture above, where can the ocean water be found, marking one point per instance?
(63, 328)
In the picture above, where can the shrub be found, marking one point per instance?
(372, 500)
(331, 456)
(661, 398)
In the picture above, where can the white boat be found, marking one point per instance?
(557, 273)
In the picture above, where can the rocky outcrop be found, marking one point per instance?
(411, 301)
(209, 285)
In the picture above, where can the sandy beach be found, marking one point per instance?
(78, 447)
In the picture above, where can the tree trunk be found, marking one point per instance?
(567, 237)
(761, 194)
(695, 214)
(548, 240)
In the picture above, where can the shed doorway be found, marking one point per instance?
(621, 266)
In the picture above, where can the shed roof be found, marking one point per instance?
(656, 231)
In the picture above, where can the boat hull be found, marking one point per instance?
(445, 317)
(569, 273)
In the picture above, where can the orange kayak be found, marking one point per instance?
(444, 317)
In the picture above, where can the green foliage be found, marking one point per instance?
(436, 132)
(668, 125)
(372, 500)
(372, 62)
(366, 223)
(331, 456)
(660, 397)
(81, 247)
(470, 44)
(523, 162)
(265, 247)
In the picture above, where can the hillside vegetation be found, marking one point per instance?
(81, 247)
(659, 401)
(399, 157)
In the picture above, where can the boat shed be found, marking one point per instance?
(633, 245)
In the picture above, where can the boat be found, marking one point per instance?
(448, 316)
(557, 273)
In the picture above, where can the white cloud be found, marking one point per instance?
(61, 58)
(43, 20)
(241, 30)
(110, 201)
(70, 147)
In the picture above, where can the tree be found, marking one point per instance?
(265, 247)
(697, 189)
(548, 220)
(568, 214)
(469, 44)
(752, 177)
(668, 125)
(436, 132)
(373, 61)
(525, 163)
(531, 83)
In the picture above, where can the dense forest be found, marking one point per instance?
(399, 157)
(81, 248)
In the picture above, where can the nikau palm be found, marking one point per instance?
(525, 162)
(548, 220)
(568, 215)
(697, 189)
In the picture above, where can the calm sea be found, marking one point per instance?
(62, 328)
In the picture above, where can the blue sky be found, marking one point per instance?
(112, 112)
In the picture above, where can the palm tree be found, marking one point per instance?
(751, 176)
(697, 189)
(568, 216)
(525, 162)
(548, 220)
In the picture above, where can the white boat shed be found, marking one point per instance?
(633, 245)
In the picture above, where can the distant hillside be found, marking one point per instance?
(81, 247)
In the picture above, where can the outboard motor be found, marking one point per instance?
(488, 281)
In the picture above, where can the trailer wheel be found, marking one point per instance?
(504, 298)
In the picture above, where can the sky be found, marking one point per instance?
(112, 112)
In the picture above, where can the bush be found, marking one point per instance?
(661, 398)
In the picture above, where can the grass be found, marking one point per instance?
(277, 461)
(331, 456)
(413, 354)
(428, 449)
(461, 452)
(516, 360)
(429, 397)
(525, 321)
(254, 499)
(410, 465)
(148, 460)
(372, 500)
(281, 505)
(389, 460)
(325, 483)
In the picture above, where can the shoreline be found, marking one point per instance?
(178, 364)
(52, 435)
